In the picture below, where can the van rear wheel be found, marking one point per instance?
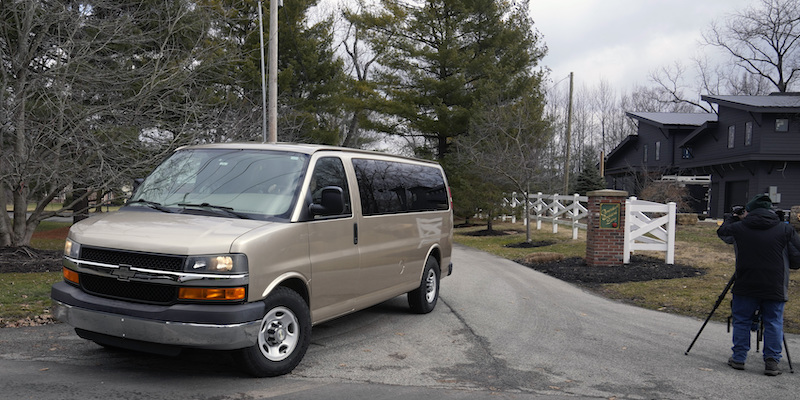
(283, 337)
(422, 300)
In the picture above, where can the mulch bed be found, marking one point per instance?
(26, 259)
(575, 270)
(641, 268)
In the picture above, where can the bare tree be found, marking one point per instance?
(95, 91)
(506, 144)
(605, 101)
(763, 40)
(362, 51)
(671, 90)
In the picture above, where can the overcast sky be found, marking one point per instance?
(622, 41)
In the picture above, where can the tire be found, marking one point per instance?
(283, 338)
(422, 300)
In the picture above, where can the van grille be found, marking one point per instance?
(142, 292)
(134, 259)
(128, 290)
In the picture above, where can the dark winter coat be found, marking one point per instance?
(764, 247)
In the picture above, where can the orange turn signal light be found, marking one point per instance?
(70, 275)
(211, 293)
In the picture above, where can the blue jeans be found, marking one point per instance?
(743, 310)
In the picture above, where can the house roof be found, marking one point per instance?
(673, 120)
(772, 103)
(630, 140)
(702, 129)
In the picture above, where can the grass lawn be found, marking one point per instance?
(26, 296)
(696, 245)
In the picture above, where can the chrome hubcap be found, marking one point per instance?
(430, 286)
(279, 334)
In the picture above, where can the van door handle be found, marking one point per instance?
(355, 233)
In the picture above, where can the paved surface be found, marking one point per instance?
(500, 331)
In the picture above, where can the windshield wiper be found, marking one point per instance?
(226, 210)
(151, 204)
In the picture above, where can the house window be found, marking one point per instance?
(782, 125)
(686, 153)
(658, 151)
(644, 155)
(731, 136)
(748, 133)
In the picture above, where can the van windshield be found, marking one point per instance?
(256, 184)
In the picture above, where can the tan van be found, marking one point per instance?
(245, 246)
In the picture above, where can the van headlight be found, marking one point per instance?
(72, 249)
(217, 263)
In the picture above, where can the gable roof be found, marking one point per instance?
(779, 103)
(702, 129)
(673, 120)
(629, 140)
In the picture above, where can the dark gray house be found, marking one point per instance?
(751, 146)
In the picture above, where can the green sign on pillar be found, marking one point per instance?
(609, 216)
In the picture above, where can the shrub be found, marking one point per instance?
(665, 192)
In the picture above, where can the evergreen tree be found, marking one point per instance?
(310, 77)
(442, 58)
(589, 178)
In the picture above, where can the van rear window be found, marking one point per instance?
(389, 187)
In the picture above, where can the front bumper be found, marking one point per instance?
(216, 327)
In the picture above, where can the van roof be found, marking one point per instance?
(294, 147)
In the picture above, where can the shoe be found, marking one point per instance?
(771, 367)
(735, 364)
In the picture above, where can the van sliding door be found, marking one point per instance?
(334, 257)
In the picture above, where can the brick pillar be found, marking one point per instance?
(605, 229)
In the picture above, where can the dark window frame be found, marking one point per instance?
(731, 136)
(748, 133)
(782, 127)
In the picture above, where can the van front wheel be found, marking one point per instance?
(422, 300)
(283, 337)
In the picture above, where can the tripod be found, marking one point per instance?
(758, 335)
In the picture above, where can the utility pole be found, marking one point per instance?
(273, 70)
(569, 135)
(263, 75)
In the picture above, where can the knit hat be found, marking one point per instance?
(759, 201)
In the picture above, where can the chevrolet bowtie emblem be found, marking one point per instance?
(123, 273)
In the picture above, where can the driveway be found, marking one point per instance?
(500, 331)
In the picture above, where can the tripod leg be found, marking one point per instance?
(759, 335)
(716, 305)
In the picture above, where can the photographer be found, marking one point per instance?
(765, 251)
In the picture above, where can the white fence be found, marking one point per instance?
(554, 208)
(641, 232)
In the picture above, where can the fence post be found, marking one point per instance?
(538, 208)
(670, 259)
(575, 213)
(605, 228)
(554, 212)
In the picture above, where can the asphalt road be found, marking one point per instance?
(500, 331)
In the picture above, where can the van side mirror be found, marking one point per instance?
(331, 202)
(136, 183)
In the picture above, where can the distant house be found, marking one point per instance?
(751, 146)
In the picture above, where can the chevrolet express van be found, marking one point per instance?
(244, 247)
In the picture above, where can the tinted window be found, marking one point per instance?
(329, 171)
(388, 187)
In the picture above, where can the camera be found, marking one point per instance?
(737, 210)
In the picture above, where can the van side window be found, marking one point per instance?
(329, 171)
(388, 187)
